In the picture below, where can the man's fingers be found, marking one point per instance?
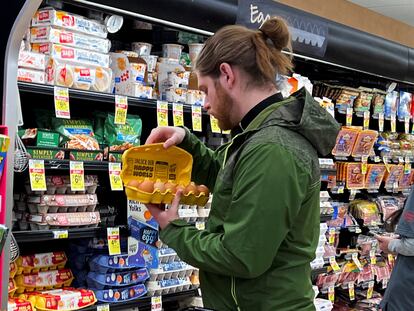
(170, 142)
(177, 198)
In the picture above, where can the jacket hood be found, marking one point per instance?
(303, 114)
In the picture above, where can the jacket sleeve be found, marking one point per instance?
(269, 188)
(206, 162)
(403, 246)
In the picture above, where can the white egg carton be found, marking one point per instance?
(320, 251)
(158, 288)
(188, 213)
(203, 212)
(171, 270)
(323, 227)
(324, 196)
(64, 220)
(61, 185)
(166, 255)
(323, 305)
(322, 240)
(62, 203)
(318, 263)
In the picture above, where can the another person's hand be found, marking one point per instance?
(165, 216)
(384, 241)
(169, 135)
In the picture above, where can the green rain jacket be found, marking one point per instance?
(263, 227)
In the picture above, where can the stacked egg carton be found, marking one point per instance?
(76, 47)
(319, 261)
(57, 207)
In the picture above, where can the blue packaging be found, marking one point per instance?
(390, 104)
(115, 295)
(106, 263)
(141, 254)
(117, 279)
(143, 232)
(404, 105)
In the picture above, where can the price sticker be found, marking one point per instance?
(104, 307)
(196, 118)
(114, 244)
(356, 261)
(384, 283)
(351, 291)
(407, 124)
(178, 115)
(400, 160)
(349, 112)
(387, 166)
(370, 290)
(162, 113)
(156, 303)
(60, 234)
(407, 165)
(381, 122)
(61, 96)
(115, 176)
(364, 165)
(331, 238)
(341, 189)
(121, 109)
(37, 175)
(214, 125)
(77, 177)
(393, 123)
(377, 159)
(391, 259)
(373, 257)
(334, 264)
(366, 120)
(200, 225)
(331, 293)
(358, 230)
(226, 132)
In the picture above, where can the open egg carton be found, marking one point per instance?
(63, 220)
(166, 255)
(61, 185)
(163, 287)
(171, 270)
(62, 203)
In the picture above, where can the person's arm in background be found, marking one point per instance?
(403, 246)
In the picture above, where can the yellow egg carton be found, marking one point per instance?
(155, 163)
(66, 299)
(18, 304)
(12, 269)
(44, 280)
(41, 262)
(12, 287)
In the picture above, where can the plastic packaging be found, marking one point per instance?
(32, 60)
(29, 75)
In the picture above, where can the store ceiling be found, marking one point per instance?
(402, 10)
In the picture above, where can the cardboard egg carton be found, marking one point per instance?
(172, 270)
(62, 203)
(158, 288)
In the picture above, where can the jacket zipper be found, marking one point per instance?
(233, 292)
(227, 149)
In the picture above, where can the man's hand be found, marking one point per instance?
(384, 241)
(165, 216)
(169, 135)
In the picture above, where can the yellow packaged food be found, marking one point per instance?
(18, 304)
(43, 262)
(44, 280)
(148, 170)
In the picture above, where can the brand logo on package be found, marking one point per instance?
(68, 20)
(43, 15)
(44, 48)
(66, 38)
(85, 72)
(68, 53)
(309, 34)
(41, 32)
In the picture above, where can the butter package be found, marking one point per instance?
(50, 34)
(40, 262)
(122, 294)
(72, 54)
(44, 280)
(29, 75)
(49, 16)
(32, 60)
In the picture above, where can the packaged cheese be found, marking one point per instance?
(32, 60)
(50, 16)
(50, 34)
(29, 75)
(71, 54)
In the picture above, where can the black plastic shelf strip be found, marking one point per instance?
(145, 303)
(328, 171)
(44, 89)
(87, 165)
(46, 235)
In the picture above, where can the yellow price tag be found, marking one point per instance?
(214, 125)
(104, 307)
(373, 257)
(381, 122)
(60, 234)
(407, 166)
(178, 115)
(356, 261)
(391, 259)
(407, 124)
(61, 96)
(331, 293)
(332, 233)
(121, 109)
(334, 264)
(77, 177)
(366, 120)
(351, 290)
(37, 175)
(364, 166)
(156, 303)
(349, 112)
(370, 290)
(341, 189)
(162, 113)
(226, 132)
(115, 176)
(114, 244)
(196, 118)
(200, 225)
(393, 123)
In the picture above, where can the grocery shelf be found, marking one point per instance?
(87, 165)
(28, 87)
(145, 302)
(46, 235)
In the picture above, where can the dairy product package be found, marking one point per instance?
(50, 16)
(49, 34)
(29, 75)
(32, 60)
(71, 54)
(65, 74)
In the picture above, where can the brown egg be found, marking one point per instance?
(203, 189)
(147, 186)
(159, 186)
(133, 183)
(169, 185)
(191, 188)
